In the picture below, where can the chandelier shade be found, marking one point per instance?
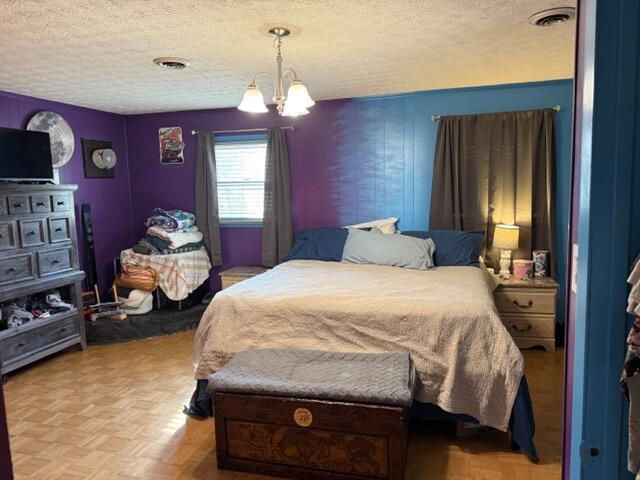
(253, 100)
(299, 95)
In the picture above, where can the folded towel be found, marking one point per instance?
(171, 220)
(175, 239)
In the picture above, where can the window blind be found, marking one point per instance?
(240, 177)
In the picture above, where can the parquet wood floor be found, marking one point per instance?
(115, 412)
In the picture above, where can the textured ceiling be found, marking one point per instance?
(99, 53)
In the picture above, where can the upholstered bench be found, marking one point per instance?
(310, 414)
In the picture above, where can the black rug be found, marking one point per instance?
(153, 324)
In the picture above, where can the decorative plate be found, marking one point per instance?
(60, 133)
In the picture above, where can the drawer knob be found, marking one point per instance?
(21, 345)
(59, 229)
(55, 262)
(528, 305)
(62, 330)
(521, 330)
(12, 269)
(31, 233)
(60, 202)
(18, 205)
(40, 204)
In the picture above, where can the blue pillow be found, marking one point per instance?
(453, 247)
(319, 244)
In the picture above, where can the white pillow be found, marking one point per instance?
(384, 225)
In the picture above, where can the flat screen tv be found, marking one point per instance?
(25, 155)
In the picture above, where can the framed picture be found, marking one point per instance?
(171, 146)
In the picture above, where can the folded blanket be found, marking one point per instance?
(161, 247)
(171, 220)
(175, 239)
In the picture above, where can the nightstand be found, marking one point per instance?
(238, 274)
(528, 311)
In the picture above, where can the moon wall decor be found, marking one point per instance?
(60, 134)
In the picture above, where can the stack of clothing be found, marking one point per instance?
(169, 232)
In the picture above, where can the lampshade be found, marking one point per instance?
(299, 96)
(252, 100)
(506, 237)
(292, 110)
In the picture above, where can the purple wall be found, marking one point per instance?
(110, 199)
(313, 160)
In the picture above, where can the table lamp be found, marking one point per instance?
(506, 238)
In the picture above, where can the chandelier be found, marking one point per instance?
(297, 100)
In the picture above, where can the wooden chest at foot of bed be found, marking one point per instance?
(310, 439)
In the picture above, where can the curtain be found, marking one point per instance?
(496, 168)
(277, 229)
(206, 191)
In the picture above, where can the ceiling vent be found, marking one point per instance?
(552, 17)
(174, 63)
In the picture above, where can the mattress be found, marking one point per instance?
(445, 318)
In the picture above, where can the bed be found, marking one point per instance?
(445, 317)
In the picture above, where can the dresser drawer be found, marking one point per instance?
(525, 302)
(60, 202)
(525, 325)
(41, 203)
(3, 205)
(51, 262)
(59, 230)
(16, 269)
(31, 233)
(30, 341)
(18, 204)
(7, 236)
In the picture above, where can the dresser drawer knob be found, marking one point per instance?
(55, 262)
(521, 330)
(31, 233)
(59, 229)
(12, 270)
(528, 305)
(60, 202)
(40, 204)
(18, 205)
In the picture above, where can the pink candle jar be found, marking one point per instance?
(523, 269)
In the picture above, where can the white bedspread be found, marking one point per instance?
(444, 317)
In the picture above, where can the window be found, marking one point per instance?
(240, 170)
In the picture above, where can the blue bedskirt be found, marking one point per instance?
(521, 423)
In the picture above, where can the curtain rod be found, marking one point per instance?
(245, 130)
(435, 118)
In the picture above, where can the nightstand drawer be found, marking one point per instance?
(525, 302)
(227, 282)
(524, 325)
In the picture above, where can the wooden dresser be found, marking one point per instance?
(238, 274)
(38, 253)
(528, 311)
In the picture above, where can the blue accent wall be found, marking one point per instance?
(386, 146)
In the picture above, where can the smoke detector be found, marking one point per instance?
(174, 63)
(552, 17)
